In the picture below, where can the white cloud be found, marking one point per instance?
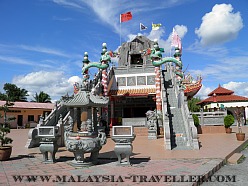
(67, 3)
(225, 69)
(181, 30)
(220, 25)
(53, 83)
(16, 60)
(108, 11)
(239, 88)
(208, 50)
(203, 92)
(44, 50)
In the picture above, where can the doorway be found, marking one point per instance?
(19, 121)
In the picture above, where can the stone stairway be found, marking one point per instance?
(178, 134)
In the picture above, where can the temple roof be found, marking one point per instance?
(221, 94)
(86, 98)
(224, 98)
(133, 92)
(192, 88)
(221, 91)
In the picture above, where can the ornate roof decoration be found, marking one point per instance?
(191, 86)
(85, 98)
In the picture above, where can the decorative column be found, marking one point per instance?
(158, 89)
(179, 73)
(158, 56)
(104, 71)
(85, 73)
(104, 79)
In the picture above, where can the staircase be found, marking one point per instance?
(51, 120)
(179, 136)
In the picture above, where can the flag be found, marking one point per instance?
(142, 27)
(126, 16)
(176, 40)
(156, 26)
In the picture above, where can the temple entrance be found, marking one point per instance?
(133, 109)
(134, 112)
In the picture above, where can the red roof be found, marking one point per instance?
(30, 105)
(221, 91)
(222, 95)
(224, 98)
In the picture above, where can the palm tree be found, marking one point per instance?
(13, 93)
(42, 97)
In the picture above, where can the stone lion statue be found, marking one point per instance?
(151, 120)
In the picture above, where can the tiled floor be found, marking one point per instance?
(149, 160)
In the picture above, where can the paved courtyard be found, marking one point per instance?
(151, 164)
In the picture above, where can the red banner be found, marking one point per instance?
(126, 16)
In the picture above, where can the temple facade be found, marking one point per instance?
(133, 86)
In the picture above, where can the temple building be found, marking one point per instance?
(132, 86)
(221, 98)
(144, 90)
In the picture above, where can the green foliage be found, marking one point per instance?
(196, 120)
(228, 120)
(27, 125)
(192, 104)
(5, 126)
(42, 97)
(13, 93)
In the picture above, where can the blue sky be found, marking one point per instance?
(42, 42)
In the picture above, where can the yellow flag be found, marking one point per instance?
(156, 26)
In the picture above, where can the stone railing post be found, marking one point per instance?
(201, 117)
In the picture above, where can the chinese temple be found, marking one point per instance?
(132, 89)
(144, 89)
(143, 81)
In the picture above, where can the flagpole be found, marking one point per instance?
(171, 40)
(120, 29)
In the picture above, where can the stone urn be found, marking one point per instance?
(80, 143)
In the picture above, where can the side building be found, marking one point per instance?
(222, 98)
(27, 113)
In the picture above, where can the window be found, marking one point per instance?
(136, 59)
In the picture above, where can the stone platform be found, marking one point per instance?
(149, 161)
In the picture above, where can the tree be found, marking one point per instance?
(5, 126)
(42, 97)
(13, 93)
(193, 107)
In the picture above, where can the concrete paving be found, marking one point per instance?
(239, 171)
(151, 163)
